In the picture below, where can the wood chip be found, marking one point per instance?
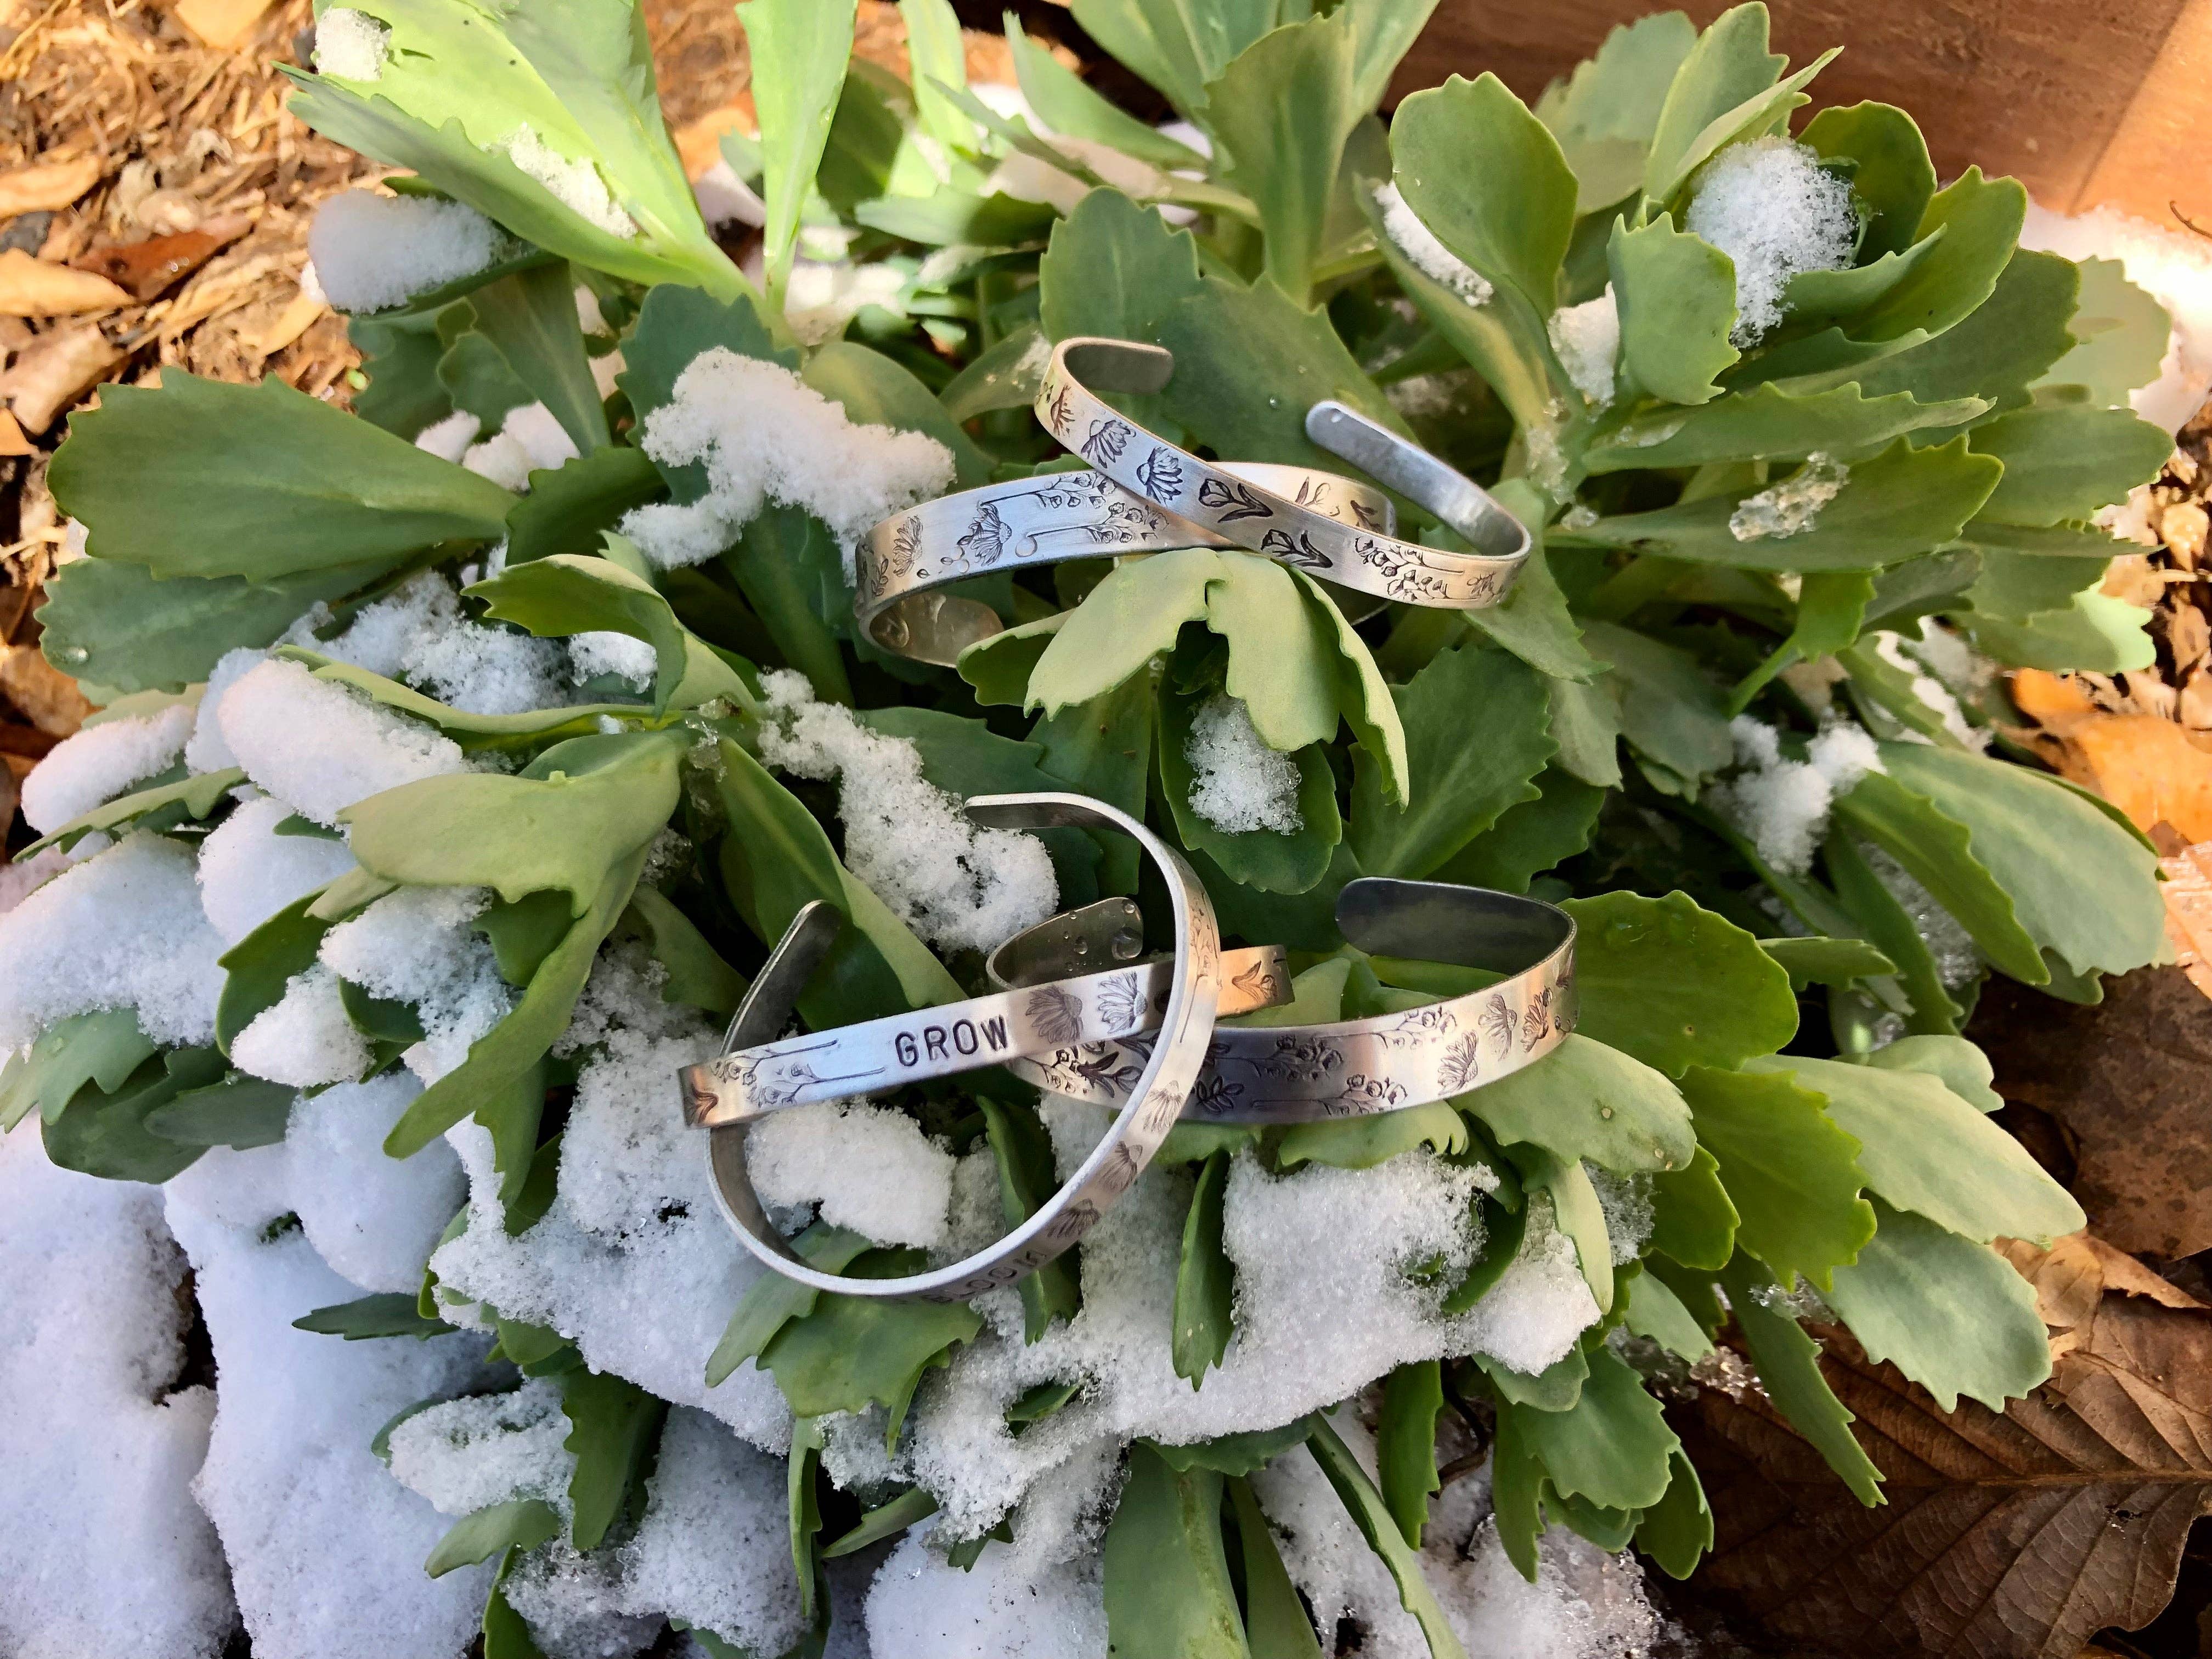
(12, 440)
(2184, 526)
(31, 287)
(47, 185)
(55, 370)
(222, 24)
(291, 324)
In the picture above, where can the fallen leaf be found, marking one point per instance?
(12, 440)
(55, 370)
(2149, 767)
(2011, 1536)
(2070, 1278)
(41, 693)
(699, 143)
(46, 184)
(2131, 1080)
(149, 269)
(2188, 891)
(291, 324)
(31, 287)
(222, 24)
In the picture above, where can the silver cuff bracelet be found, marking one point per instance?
(908, 558)
(1362, 556)
(964, 1033)
(1357, 1068)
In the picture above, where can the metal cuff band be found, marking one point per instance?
(910, 556)
(1357, 1068)
(1148, 1109)
(1361, 556)
(1061, 947)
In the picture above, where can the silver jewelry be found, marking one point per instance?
(1148, 1108)
(905, 560)
(1356, 554)
(1357, 1068)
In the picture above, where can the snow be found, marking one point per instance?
(1324, 1305)
(351, 44)
(2175, 269)
(529, 439)
(1931, 693)
(24, 876)
(1431, 257)
(765, 436)
(823, 296)
(1587, 336)
(1768, 205)
(725, 198)
(466, 1454)
(1958, 960)
(1325, 1554)
(104, 1551)
(869, 1168)
(1584, 1604)
(418, 633)
(325, 1549)
(922, 1606)
(577, 185)
(1627, 1201)
(372, 252)
(955, 885)
(1239, 784)
(416, 946)
(1793, 505)
(121, 930)
(1784, 804)
(632, 1224)
(206, 751)
(319, 746)
(627, 658)
(248, 872)
(100, 762)
(372, 1217)
(305, 1037)
(449, 437)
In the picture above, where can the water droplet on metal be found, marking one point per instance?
(1125, 944)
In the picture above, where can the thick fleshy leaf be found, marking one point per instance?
(1489, 180)
(1167, 1587)
(1771, 422)
(1612, 1448)
(1675, 985)
(2065, 463)
(520, 1523)
(1952, 1315)
(2122, 333)
(1893, 180)
(1530, 837)
(1926, 1150)
(1585, 1100)
(1605, 113)
(1789, 1363)
(1791, 1174)
(1727, 65)
(103, 1049)
(1371, 1515)
(1668, 710)
(1676, 296)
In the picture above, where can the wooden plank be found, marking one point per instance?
(2046, 90)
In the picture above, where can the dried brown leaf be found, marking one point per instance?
(148, 269)
(41, 693)
(30, 287)
(54, 371)
(2130, 1079)
(2012, 1536)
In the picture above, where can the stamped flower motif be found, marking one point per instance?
(1231, 501)
(1215, 1094)
(1107, 439)
(906, 547)
(1419, 1026)
(1059, 414)
(1257, 981)
(1055, 1015)
(1500, 1023)
(1121, 1002)
(1161, 476)
(1301, 1059)
(984, 543)
(1462, 1065)
(1537, 1023)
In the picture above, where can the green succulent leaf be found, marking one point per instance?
(1585, 1100)
(1675, 985)
(1676, 296)
(1789, 1169)
(1371, 1515)
(1771, 422)
(1788, 1365)
(2064, 464)
(520, 1523)
(1952, 1315)
(102, 1049)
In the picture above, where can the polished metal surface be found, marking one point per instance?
(1113, 930)
(1357, 1068)
(729, 1094)
(1360, 555)
(906, 561)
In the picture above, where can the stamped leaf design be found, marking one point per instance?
(1057, 1015)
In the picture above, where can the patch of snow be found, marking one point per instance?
(372, 252)
(205, 751)
(627, 658)
(104, 1551)
(868, 1167)
(1239, 784)
(100, 762)
(922, 1606)
(765, 436)
(449, 437)
(1932, 694)
(419, 633)
(955, 885)
(1587, 336)
(416, 946)
(529, 439)
(304, 1038)
(2174, 268)
(351, 44)
(1430, 257)
(372, 1217)
(1771, 207)
(248, 873)
(1784, 804)
(123, 929)
(319, 746)
(577, 186)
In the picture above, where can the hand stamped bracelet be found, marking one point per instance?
(1365, 557)
(1357, 1068)
(908, 558)
(1148, 1108)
